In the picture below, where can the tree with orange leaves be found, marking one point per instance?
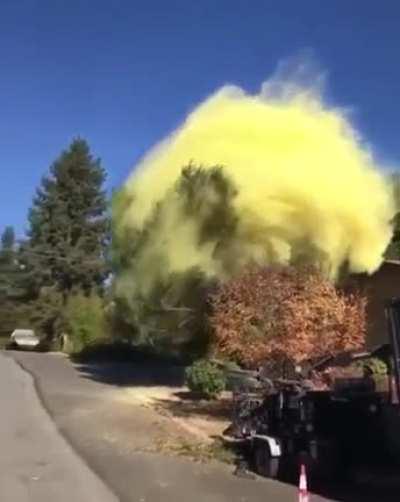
(282, 315)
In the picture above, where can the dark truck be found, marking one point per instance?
(353, 424)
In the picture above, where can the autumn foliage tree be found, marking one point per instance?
(284, 315)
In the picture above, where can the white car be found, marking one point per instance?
(24, 339)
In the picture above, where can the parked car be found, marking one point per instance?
(24, 339)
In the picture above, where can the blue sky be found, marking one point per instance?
(123, 73)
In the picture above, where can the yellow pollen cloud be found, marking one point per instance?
(304, 181)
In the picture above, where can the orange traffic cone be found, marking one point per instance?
(303, 491)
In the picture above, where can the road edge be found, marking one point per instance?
(63, 434)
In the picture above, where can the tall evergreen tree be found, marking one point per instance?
(7, 262)
(8, 239)
(69, 224)
(15, 292)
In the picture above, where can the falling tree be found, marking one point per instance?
(166, 308)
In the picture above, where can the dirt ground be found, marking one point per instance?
(205, 420)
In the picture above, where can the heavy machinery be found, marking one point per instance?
(353, 423)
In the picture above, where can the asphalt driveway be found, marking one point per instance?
(37, 464)
(113, 437)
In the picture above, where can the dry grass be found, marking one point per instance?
(200, 452)
(195, 425)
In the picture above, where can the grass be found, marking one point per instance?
(189, 404)
(200, 452)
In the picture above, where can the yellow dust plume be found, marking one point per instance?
(304, 181)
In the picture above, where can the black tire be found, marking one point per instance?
(264, 464)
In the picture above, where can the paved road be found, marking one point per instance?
(107, 434)
(36, 463)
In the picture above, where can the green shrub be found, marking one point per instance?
(84, 322)
(377, 367)
(206, 378)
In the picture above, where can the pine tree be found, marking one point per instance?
(8, 266)
(69, 224)
(8, 239)
(14, 286)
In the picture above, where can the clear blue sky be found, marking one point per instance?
(123, 73)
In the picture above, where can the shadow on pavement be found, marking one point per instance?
(123, 365)
(130, 374)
